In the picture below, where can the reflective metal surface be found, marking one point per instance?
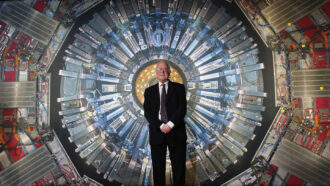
(311, 82)
(30, 168)
(308, 165)
(19, 15)
(17, 94)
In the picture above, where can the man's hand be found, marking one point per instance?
(166, 129)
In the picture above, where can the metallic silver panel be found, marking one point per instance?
(105, 164)
(70, 98)
(310, 83)
(230, 146)
(214, 19)
(252, 93)
(282, 12)
(233, 21)
(233, 34)
(85, 6)
(72, 111)
(78, 51)
(302, 163)
(122, 10)
(70, 119)
(102, 23)
(29, 169)
(216, 162)
(85, 40)
(17, 94)
(193, 9)
(94, 36)
(251, 122)
(28, 20)
(243, 45)
(250, 107)
(95, 153)
(231, 156)
(205, 9)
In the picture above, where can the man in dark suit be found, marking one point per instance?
(165, 107)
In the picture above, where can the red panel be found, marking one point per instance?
(6, 112)
(37, 144)
(9, 119)
(322, 137)
(10, 75)
(326, 8)
(10, 70)
(294, 181)
(274, 167)
(282, 32)
(15, 153)
(309, 143)
(307, 22)
(322, 103)
(320, 60)
(39, 5)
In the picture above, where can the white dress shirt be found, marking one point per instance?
(160, 88)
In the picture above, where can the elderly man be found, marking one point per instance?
(165, 106)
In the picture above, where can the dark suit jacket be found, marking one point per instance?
(176, 106)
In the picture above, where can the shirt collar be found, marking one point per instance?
(160, 84)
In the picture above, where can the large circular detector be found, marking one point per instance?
(112, 60)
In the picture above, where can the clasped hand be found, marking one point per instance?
(166, 128)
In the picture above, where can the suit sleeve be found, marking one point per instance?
(153, 119)
(180, 113)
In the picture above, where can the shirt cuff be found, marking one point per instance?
(171, 124)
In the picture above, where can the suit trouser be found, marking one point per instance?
(178, 163)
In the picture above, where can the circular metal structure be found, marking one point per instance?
(111, 61)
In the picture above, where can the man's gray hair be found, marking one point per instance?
(167, 65)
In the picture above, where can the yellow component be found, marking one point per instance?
(123, 152)
(102, 136)
(145, 160)
(321, 88)
(282, 110)
(289, 24)
(303, 45)
(89, 113)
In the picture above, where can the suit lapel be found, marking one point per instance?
(169, 91)
(156, 89)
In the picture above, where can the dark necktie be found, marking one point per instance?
(163, 114)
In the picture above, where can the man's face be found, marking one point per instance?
(162, 71)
